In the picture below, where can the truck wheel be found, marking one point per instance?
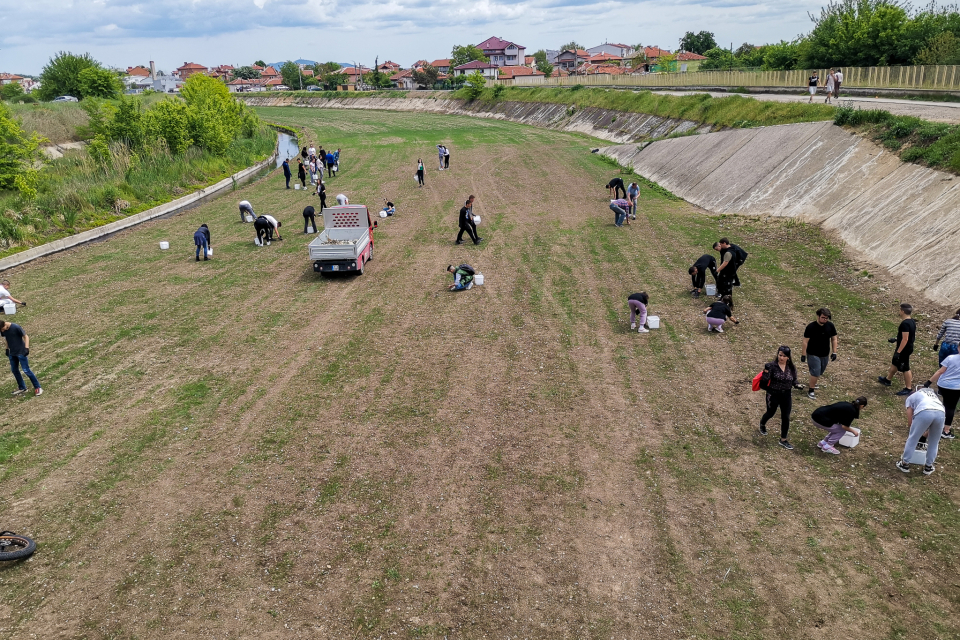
(361, 267)
(370, 255)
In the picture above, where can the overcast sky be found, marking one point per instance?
(123, 33)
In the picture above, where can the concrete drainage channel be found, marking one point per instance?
(285, 141)
(897, 215)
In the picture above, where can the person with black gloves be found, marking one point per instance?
(906, 334)
(6, 298)
(698, 272)
(18, 348)
(820, 346)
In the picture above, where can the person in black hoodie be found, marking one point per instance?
(322, 192)
(309, 220)
(301, 174)
(201, 238)
(778, 380)
(467, 224)
(698, 272)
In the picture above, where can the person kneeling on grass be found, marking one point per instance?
(462, 277)
(839, 415)
(925, 417)
(718, 312)
(638, 307)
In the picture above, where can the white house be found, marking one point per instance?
(489, 71)
(615, 49)
(502, 53)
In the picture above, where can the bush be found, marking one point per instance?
(18, 152)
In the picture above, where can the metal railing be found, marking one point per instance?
(932, 78)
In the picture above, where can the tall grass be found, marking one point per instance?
(76, 193)
(731, 111)
(932, 144)
(56, 121)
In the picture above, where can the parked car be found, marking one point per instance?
(314, 87)
(65, 99)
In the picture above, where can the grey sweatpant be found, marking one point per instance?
(932, 420)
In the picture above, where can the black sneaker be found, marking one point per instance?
(763, 429)
(696, 294)
(903, 466)
(811, 395)
(458, 242)
(903, 392)
(948, 435)
(882, 380)
(928, 469)
(786, 445)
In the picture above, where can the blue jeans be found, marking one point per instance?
(21, 362)
(946, 349)
(202, 246)
(619, 215)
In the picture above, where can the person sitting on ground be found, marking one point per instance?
(718, 312)
(342, 199)
(615, 186)
(462, 277)
(264, 230)
(638, 307)
(6, 298)
(839, 416)
(925, 417)
(201, 238)
(246, 208)
(698, 272)
(309, 221)
(389, 209)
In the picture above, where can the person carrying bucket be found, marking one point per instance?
(462, 277)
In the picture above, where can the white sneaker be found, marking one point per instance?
(633, 325)
(643, 330)
(719, 329)
(268, 243)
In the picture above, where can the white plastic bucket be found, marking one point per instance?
(711, 289)
(164, 245)
(311, 230)
(209, 252)
(476, 219)
(653, 322)
(383, 214)
(249, 218)
(478, 278)
(296, 187)
(918, 457)
(10, 309)
(849, 440)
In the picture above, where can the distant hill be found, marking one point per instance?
(276, 65)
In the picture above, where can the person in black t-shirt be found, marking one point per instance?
(718, 312)
(836, 419)
(615, 186)
(467, 224)
(698, 272)
(819, 346)
(18, 348)
(906, 334)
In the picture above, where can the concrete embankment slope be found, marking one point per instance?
(903, 217)
(613, 126)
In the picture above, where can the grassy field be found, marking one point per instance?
(240, 448)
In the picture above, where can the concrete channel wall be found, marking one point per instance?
(903, 217)
(613, 126)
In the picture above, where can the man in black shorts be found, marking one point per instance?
(698, 272)
(819, 347)
(906, 333)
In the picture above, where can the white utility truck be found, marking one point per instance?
(346, 242)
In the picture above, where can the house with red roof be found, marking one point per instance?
(529, 61)
(570, 60)
(690, 61)
(502, 53)
(604, 58)
(442, 65)
(188, 69)
(489, 70)
(509, 73)
(590, 69)
(389, 66)
(138, 72)
(624, 51)
(269, 73)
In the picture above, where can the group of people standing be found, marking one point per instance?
(831, 85)
(624, 207)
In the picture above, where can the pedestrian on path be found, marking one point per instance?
(812, 85)
(947, 338)
(839, 416)
(831, 86)
(925, 417)
(906, 333)
(419, 172)
(837, 81)
(309, 221)
(718, 313)
(947, 379)
(201, 238)
(301, 174)
(619, 208)
(18, 348)
(698, 272)
(779, 377)
(638, 311)
(286, 171)
(615, 186)
(819, 347)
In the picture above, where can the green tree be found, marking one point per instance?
(170, 120)
(245, 73)
(466, 53)
(260, 63)
(698, 42)
(99, 83)
(61, 75)
(475, 84)
(427, 76)
(18, 152)
(782, 56)
(943, 48)
(328, 75)
(542, 64)
(572, 45)
(12, 92)
(128, 124)
(214, 117)
(290, 72)
(718, 58)
(862, 33)
(748, 55)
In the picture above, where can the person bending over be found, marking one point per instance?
(6, 298)
(718, 313)
(462, 277)
(698, 273)
(246, 208)
(638, 307)
(836, 419)
(309, 221)
(264, 230)
(201, 238)
(615, 186)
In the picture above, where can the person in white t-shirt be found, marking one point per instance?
(947, 379)
(5, 297)
(342, 199)
(838, 80)
(925, 415)
(312, 151)
(276, 225)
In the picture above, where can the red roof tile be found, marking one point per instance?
(498, 43)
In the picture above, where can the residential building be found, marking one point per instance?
(404, 80)
(570, 60)
(605, 58)
(502, 53)
(419, 64)
(489, 70)
(269, 73)
(590, 69)
(223, 71)
(509, 73)
(529, 61)
(167, 83)
(690, 61)
(442, 65)
(389, 66)
(242, 86)
(138, 71)
(552, 55)
(188, 69)
(614, 49)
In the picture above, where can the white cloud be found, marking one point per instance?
(125, 32)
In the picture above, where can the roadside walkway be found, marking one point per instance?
(948, 112)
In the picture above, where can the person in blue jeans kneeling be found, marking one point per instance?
(18, 348)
